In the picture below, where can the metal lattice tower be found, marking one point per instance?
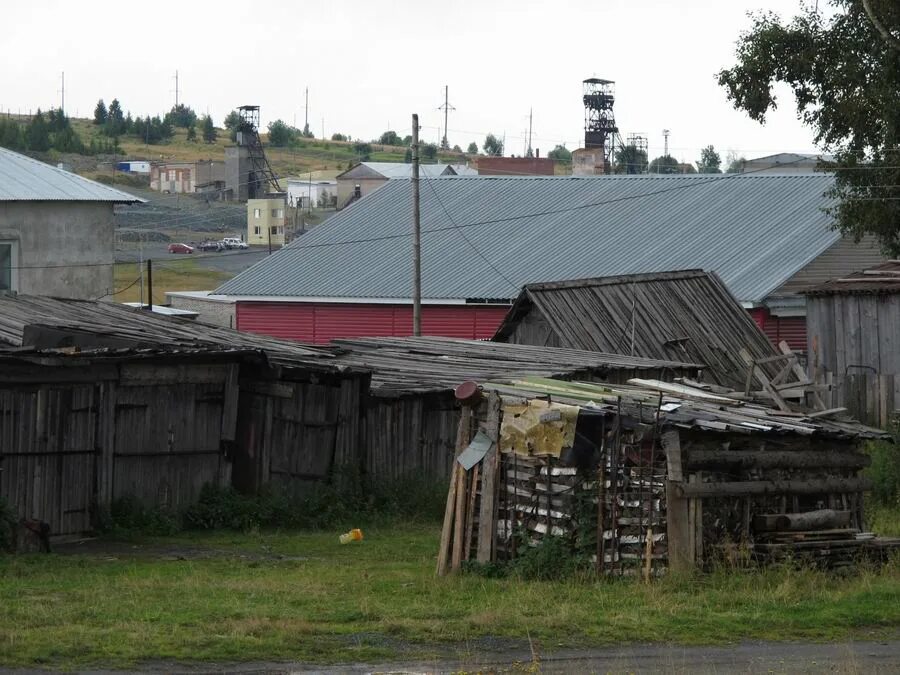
(599, 121)
(261, 175)
(641, 147)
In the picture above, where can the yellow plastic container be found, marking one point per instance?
(353, 535)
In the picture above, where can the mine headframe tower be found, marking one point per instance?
(261, 178)
(600, 130)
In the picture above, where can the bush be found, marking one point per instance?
(7, 527)
(885, 471)
(127, 515)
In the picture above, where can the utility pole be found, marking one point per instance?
(529, 152)
(62, 104)
(176, 89)
(149, 285)
(417, 232)
(445, 144)
(306, 110)
(323, 128)
(666, 137)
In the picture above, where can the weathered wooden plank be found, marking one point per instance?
(487, 518)
(768, 459)
(444, 552)
(765, 487)
(678, 522)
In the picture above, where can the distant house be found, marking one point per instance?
(783, 162)
(514, 166)
(188, 177)
(266, 220)
(303, 193)
(367, 177)
(57, 235)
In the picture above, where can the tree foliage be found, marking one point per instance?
(428, 151)
(181, 116)
(232, 123)
(209, 129)
(280, 134)
(338, 137)
(192, 134)
(115, 119)
(492, 146)
(710, 161)
(472, 149)
(844, 72)
(665, 164)
(100, 113)
(630, 159)
(734, 163)
(389, 138)
(37, 133)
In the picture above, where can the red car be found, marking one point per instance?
(180, 248)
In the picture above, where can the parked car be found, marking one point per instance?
(234, 242)
(180, 248)
(210, 245)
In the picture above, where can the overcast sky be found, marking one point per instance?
(370, 64)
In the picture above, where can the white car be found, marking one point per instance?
(234, 242)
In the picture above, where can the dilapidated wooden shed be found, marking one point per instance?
(647, 476)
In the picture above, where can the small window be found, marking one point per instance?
(257, 213)
(7, 262)
(256, 230)
(274, 229)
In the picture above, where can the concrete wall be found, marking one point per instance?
(345, 187)
(214, 312)
(68, 246)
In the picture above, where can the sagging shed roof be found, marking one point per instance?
(402, 366)
(688, 315)
(884, 278)
(754, 231)
(25, 179)
(682, 406)
(50, 322)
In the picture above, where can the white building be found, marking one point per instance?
(323, 193)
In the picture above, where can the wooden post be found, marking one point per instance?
(462, 439)
(487, 517)
(417, 232)
(678, 522)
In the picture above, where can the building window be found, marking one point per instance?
(256, 213)
(8, 275)
(256, 230)
(278, 213)
(274, 229)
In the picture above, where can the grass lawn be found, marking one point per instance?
(176, 275)
(301, 596)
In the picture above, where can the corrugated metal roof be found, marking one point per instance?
(25, 179)
(687, 315)
(884, 278)
(754, 231)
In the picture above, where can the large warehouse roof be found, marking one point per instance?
(485, 237)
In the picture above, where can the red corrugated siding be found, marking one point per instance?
(322, 322)
(791, 329)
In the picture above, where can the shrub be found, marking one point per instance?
(7, 527)
(885, 472)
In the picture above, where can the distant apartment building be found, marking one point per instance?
(203, 176)
(266, 220)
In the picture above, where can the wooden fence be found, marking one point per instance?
(870, 397)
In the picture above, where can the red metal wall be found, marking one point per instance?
(791, 329)
(322, 322)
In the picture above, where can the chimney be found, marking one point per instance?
(537, 153)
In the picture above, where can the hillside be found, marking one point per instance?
(306, 155)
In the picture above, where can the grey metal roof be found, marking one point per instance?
(25, 179)
(754, 231)
(401, 170)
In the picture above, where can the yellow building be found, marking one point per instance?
(266, 220)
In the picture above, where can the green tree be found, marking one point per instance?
(100, 113)
(192, 133)
(338, 137)
(37, 133)
(665, 164)
(362, 150)
(492, 146)
(181, 116)
(428, 151)
(457, 149)
(407, 140)
(306, 133)
(472, 149)
(843, 67)
(710, 161)
(407, 156)
(11, 134)
(115, 119)
(734, 162)
(232, 123)
(629, 159)
(209, 130)
(280, 134)
(560, 154)
(389, 138)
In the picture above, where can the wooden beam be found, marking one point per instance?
(681, 558)
(767, 487)
(771, 459)
(487, 525)
(462, 432)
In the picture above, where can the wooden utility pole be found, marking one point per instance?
(417, 232)
(149, 285)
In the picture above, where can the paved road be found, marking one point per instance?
(747, 657)
(231, 262)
